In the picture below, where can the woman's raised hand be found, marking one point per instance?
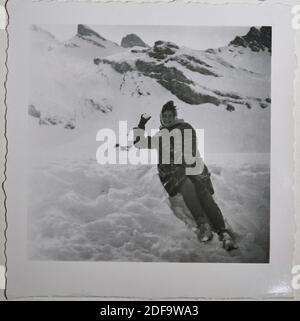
(143, 121)
(146, 116)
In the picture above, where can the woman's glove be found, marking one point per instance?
(143, 121)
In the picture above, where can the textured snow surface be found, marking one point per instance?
(83, 211)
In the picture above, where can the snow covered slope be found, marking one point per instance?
(82, 211)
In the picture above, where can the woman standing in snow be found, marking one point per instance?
(197, 190)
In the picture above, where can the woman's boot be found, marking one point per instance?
(205, 233)
(227, 240)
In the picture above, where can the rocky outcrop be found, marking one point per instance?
(102, 106)
(85, 31)
(196, 60)
(175, 81)
(55, 120)
(89, 35)
(162, 50)
(194, 64)
(132, 40)
(230, 108)
(255, 39)
(50, 120)
(120, 67)
(32, 111)
(170, 78)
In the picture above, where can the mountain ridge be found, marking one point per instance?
(92, 85)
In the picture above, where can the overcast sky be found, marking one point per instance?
(189, 36)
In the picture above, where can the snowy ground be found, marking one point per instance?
(80, 210)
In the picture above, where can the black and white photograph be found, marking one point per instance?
(214, 81)
(150, 150)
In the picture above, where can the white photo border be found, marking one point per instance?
(152, 280)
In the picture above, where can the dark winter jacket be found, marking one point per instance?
(182, 160)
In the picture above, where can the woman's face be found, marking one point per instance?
(168, 117)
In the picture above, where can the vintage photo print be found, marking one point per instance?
(156, 143)
(92, 207)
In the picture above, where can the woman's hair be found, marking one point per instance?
(169, 106)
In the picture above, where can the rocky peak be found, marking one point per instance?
(256, 39)
(85, 31)
(132, 40)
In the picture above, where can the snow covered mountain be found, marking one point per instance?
(197, 77)
(88, 77)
